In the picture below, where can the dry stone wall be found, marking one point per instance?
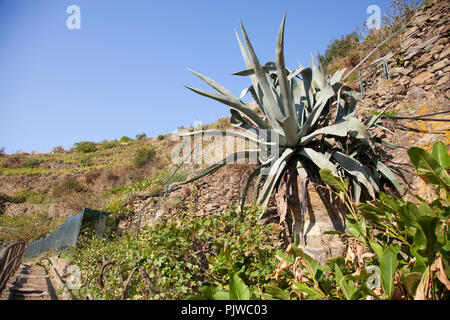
(420, 67)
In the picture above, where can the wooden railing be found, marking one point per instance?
(10, 260)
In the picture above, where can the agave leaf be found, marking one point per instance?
(234, 103)
(337, 77)
(340, 129)
(244, 92)
(340, 105)
(263, 88)
(251, 71)
(282, 77)
(373, 120)
(248, 64)
(354, 99)
(317, 110)
(319, 159)
(274, 174)
(289, 130)
(356, 190)
(214, 84)
(389, 175)
(241, 135)
(293, 74)
(237, 121)
(318, 78)
(307, 81)
(358, 170)
(389, 145)
(229, 159)
(247, 185)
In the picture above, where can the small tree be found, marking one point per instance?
(141, 136)
(143, 156)
(125, 139)
(32, 163)
(85, 147)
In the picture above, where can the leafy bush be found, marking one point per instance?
(108, 144)
(340, 48)
(141, 136)
(175, 254)
(161, 137)
(2, 151)
(125, 139)
(85, 147)
(142, 156)
(396, 249)
(86, 161)
(68, 185)
(32, 163)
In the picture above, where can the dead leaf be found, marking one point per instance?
(422, 288)
(438, 268)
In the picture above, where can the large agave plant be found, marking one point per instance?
(314, 117)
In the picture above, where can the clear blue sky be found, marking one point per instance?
(123, 72)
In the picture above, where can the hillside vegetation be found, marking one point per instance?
(394, 247)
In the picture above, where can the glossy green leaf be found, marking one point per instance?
(238, 289)
(440, 155)
(388, 266)
(277, 292)
(428, 226)
(327, 176)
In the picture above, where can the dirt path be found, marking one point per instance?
(31, 282)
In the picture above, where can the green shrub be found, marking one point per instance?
(161, 137)
(108, 144)
(67, 186)
(32, 163)
(125, 139)
(86, 161)
(142, 156)
(141, 136)
(85, 147)
(339, 48)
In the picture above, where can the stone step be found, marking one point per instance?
(33, 276)
(28, 290)
(27, 282)
(30, 296)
